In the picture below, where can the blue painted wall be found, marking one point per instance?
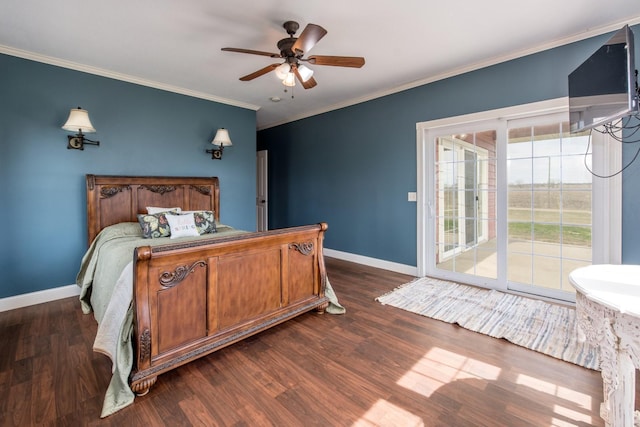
(142, 131)
(353, 167)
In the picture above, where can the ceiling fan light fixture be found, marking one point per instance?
(282, 70)
(305, 72)
(289, 80)
(291, 50)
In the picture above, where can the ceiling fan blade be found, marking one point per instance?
(259, 73)
(337, 61)
(310, 36)
(311, 82)
(252, 52)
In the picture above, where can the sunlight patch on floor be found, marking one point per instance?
(439, 367)
(569, 414)
(573, 398)
(385, 414)
(580, 399)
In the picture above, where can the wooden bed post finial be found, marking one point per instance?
(143, 253)
(91, 182)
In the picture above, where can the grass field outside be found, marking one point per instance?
(551, 233)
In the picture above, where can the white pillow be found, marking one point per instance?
(182, 225)
(152, 210)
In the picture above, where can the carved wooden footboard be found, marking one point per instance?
(191, 299)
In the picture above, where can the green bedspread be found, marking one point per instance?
(106, 282)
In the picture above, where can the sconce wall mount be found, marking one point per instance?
(79, 122)
(221, 140)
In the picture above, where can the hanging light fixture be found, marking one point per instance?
(285, 72)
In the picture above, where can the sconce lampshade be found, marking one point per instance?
(78, 121)
(222, 138)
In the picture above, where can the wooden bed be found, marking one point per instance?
(191, 299)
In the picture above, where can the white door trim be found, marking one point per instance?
(423, 157)
(608, 156)
(262, 190)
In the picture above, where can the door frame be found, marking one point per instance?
(262, 190)
(480, 230)
(607, 155)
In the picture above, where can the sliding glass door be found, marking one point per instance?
(549, 199)
(508, 204)
(465, 180)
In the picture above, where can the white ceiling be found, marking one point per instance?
(175, 45)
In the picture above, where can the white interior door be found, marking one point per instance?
(262, 202)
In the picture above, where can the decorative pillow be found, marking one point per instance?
(153, 226)
(151, 210)
(182, 225)
(205, 221)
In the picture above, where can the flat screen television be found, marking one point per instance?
(603, 88)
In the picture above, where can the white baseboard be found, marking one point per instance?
(32, 298)
(24, 300)
(372, 262)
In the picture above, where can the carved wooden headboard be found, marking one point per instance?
(112, 199)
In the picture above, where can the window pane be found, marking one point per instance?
(546, 140)
(519, 172)
(519, 233)
(576, 235)
(486, 261)
(546, 206)
(547, 172)
(574, 170)
(547, 272)
(548, 243)
(549, 204)
(522, 274)
(576, 206)
(519, 198)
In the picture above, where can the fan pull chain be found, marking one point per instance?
(285, 90)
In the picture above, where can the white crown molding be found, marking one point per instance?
(588, 33)
(119, 76)
(592, 32)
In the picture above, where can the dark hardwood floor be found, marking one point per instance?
(375, 365)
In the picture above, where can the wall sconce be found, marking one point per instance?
(221, 139)
(79, 121)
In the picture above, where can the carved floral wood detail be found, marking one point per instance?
(205, 191)
(170, 279)
(160, 189)
(145, 345)
(107, 192)
(305, 248)
(617, 335)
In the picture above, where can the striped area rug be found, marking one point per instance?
(534, 324)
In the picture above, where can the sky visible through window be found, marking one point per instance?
(554, 161)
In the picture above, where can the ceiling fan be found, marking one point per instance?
(292, 49)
